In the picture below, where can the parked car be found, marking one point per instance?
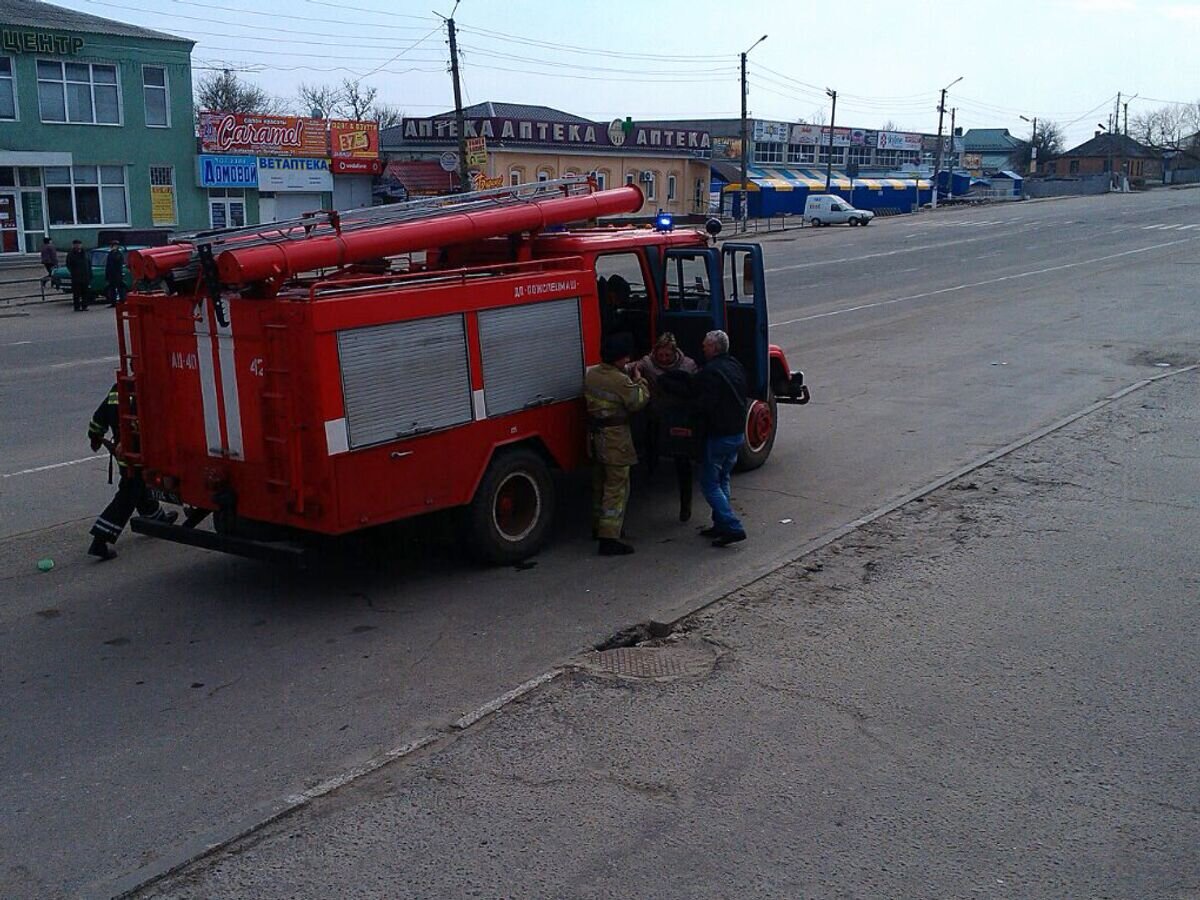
(60, 278)
(829, 209)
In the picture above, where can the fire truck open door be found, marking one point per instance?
(746, 313)
(692, 297)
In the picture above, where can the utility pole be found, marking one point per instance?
(1115, 132)
(745, 145)
(463, 184)
(937, 158)
(953, 155)
(745, 135)
(829, 149)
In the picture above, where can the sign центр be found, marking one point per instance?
(279, 135)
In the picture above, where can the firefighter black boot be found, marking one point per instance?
(613, 547)
(683, 474)
(102, 549)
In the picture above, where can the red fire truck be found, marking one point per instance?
(336, 372)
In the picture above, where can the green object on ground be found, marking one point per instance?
(45, 565)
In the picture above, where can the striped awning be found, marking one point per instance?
(781, 178)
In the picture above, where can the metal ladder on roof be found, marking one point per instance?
(330, 222)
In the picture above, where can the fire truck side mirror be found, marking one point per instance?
(713, 227)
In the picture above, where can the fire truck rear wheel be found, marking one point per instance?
(761, 425)
(510, 516)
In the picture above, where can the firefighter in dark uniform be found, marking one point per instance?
(131, 489)
(611, 396)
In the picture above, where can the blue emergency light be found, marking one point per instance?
(664, 221)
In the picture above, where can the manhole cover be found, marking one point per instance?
(675, 660)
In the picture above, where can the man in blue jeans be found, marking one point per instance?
(721, 391)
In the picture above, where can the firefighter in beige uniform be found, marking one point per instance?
(611, 397)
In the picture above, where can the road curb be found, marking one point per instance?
(218, 838)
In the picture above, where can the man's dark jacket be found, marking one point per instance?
(78, 266)
(721, 396)
(114, 267)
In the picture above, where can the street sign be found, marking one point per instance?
(448, 161)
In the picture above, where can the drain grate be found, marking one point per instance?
(684, 659)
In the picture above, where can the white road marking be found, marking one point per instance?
(83, 362)
(1171, 227)
(18, 343)
(1152, 227)
(72, 462)
(960, 287)
(1189, 227)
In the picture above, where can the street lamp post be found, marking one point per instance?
(745, 136)
(829, 150)
(937, 164)
(1033, 148)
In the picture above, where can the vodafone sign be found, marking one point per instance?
(277, 135)
(356, 166)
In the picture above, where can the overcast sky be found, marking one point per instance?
(1063, 60)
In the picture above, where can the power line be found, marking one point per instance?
(548, 45)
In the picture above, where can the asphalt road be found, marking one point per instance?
(165, 694)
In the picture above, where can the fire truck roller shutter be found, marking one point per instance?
(404, 378)
(532, 355)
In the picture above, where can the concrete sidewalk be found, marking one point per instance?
(991, 692)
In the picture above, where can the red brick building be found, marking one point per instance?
(1108, 153)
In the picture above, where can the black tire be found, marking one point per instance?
(816, 223)
(864, 222)
(758, 446)
(853, 222)
(511, 513)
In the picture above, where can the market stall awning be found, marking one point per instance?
(784, 178)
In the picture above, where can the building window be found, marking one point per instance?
(649, 180)
(156, 96)
(86, 195)
(1074, 167)
(515, 176)
(227, 207)
(802, 153)
(860, 155)
(162, 196)
(670, 188)
(630, 177)
(602, 180)
(79, 93)
(699, 195)
(768, 153)
(8, 92)
(544, 174)
(839, 155)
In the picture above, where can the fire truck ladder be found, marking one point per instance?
(330, 222)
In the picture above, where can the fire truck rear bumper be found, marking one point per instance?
(277, 552)
(797, 390)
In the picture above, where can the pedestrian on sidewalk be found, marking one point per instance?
(611, 396)
(81, 275)
(721, 391)
(49, 258)
(114, 274)
(132, 493)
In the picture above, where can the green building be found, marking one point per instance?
(96, 129)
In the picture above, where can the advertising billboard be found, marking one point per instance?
(275, 135)
(349, 139)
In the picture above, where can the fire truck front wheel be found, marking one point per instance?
(510, 516)
(761, 424)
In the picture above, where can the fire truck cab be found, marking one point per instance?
(290, 404)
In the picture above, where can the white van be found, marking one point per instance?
(829, 209)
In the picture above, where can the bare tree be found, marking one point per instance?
(386, 114)
(1168, 127)
(226, 92)
(319, 100)
(1048, 140)
(816, 117)
(357, 100)
(890, 125)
